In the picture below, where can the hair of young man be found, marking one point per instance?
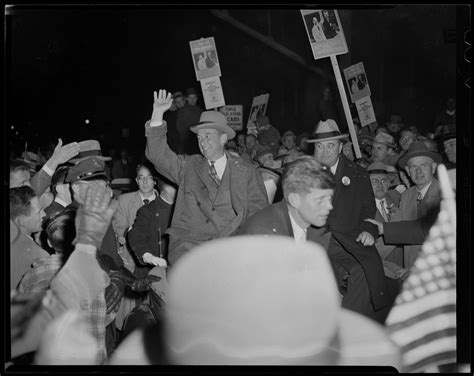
(20, 201)
(18, 165)
(304, 174)
(61, 231)
(150, 168)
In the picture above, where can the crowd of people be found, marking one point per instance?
(192, 266)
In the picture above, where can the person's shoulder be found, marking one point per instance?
(239, 162)
(355, 169)
(127, 197)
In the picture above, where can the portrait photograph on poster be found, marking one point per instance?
(206, 62)
(356, 81)
(325, 32)
(258, 108)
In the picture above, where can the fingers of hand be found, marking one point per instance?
(155, 96)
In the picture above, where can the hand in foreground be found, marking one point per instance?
(94, 216)
(155, 261)
(64, 153)
(376, 223)
(365, 238)
(114, 291)
(162, 102)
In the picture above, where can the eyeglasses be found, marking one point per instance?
(143, 179)
(379, 181)
(423, 166)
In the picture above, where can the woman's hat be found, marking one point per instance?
(325, 131)
(266, 300)
(214, 120)
(89, 148)
(418, 149)
(384, 139)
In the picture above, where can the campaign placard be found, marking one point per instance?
(234, 116)
(356, 81)
(365, 111)
(205, 60)
(259, 107)
(212, 93)
(325, 33)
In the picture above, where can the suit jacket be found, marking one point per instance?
(275, 220)
(407, 228)
(193, 213)
(352, 203)
(148, 233)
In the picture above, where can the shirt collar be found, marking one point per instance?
(219, 165)
(148, 198)
(334, 168)
(425, 189)
(298, 231)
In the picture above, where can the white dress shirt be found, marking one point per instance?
(220, 164)
(299, 233)
(334, 168)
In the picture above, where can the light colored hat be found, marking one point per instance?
(30, 158)
(325, 131)
(214, 120)
(266, 300)
(384, 139)
(87, 149)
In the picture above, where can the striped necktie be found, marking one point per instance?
(384, 211)
(213, 173)
(419, 198)
(146, 201)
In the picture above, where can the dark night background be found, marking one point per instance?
(67, 64)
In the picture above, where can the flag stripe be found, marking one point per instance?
(430, 349)
(448, 332)
(413, 321)
(434, 360)
(420, 305)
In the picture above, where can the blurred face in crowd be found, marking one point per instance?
(266, 160)
(421, 170)
(450, 149)
(145, 181)
(327, 152)
(63, 192)
(20, 178)
(173, 106)
(451, 104)
(289, 141)
(250, 142)
(32, 223)
(79, 188)
(406, 139)
(211, 143)
(241, 140)
(380, 152)
(192, 99)
(180, 102)
(313, 207)
(380, 184)
(348, 151)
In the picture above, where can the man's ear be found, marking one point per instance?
(434, 165)
(408, 171)
(20, 221)
(294, 200)
(224, 138)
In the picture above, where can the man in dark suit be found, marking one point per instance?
(217, 191)
(308, 188)
(356, 261)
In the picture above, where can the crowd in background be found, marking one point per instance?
(93, 236)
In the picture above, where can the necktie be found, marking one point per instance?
(419, 198)
(146, 201)
(384, 211)
(213, 173)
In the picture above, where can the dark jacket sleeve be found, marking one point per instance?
(109, 248)
(368, 207)
(139, 235)
(404, 232)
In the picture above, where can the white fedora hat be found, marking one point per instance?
(265, 300)
(325, 131)
(214, 120)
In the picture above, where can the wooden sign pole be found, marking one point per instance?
(345, 104)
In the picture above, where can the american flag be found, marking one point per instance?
(423, 319)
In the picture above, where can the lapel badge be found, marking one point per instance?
(346, 180)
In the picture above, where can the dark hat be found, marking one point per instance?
(191, 90)
(327, 130)
(214, 120)
(418, 149)
(380, 168)
(59, 176)
(263, 120)
(177, 94)
(89, 148)
(91, 168)
(450, 132)
(264, 150)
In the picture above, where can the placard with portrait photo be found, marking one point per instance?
(205, 60)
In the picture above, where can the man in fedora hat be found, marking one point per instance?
(416, 202)
(351, 250)
(261, 301)
(217, 192)
(383, 149)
